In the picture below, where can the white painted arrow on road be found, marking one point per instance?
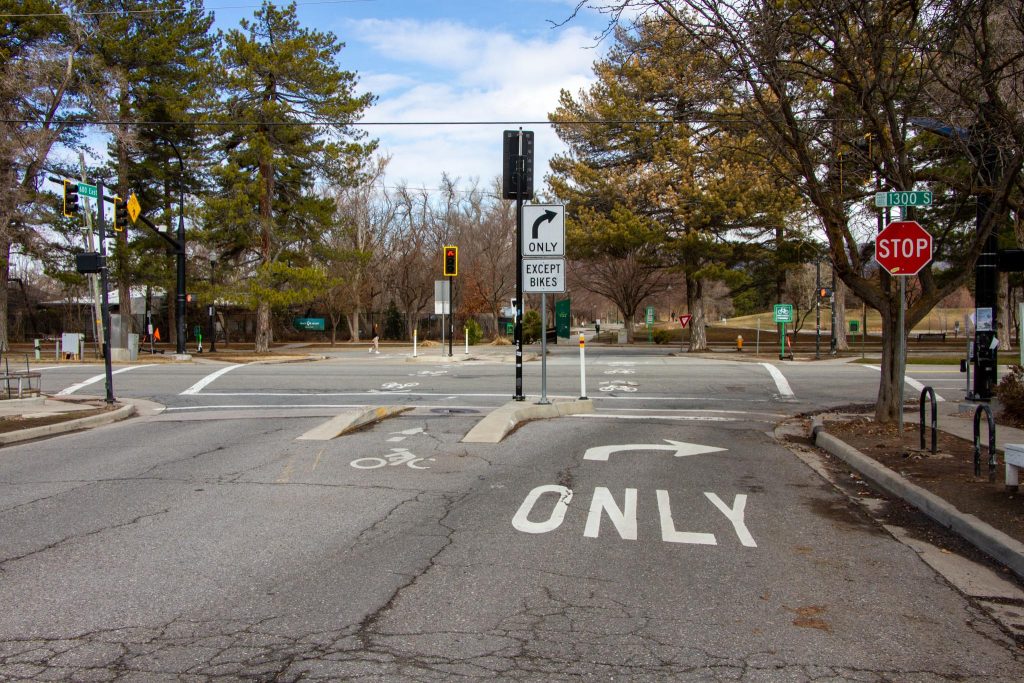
(678, 449)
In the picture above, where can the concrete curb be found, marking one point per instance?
(124, 412)
(499, 422)
(350, 421)
(985, 537)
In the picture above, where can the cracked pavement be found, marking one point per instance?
(188, 549)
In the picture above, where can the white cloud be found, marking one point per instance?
(446, 71)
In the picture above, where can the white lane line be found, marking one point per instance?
(780, 381)
(378, 393)
(98, 378)
(198, 386)
(683, 418)
(914, 384)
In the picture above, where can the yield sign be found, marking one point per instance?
(677, 448)
(903, 248)
(684, 319)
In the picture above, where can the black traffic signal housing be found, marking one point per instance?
(121, 218)
(824, 293)
(71, 206)
(90, 262)
(451, 261)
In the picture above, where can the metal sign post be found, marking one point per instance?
(101, 226)
(543, 350)
(517, 183)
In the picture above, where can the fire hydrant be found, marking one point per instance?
(739, 343)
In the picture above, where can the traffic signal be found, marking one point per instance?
(71, 206)
(121, 217)
(451, 261)
(824, 293)
(190, 299)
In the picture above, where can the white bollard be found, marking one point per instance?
(583, 370)
(467, 340)
(414, 343)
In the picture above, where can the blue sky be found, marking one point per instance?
(453, 60)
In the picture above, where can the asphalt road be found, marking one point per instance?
(669, 536)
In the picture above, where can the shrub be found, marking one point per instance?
(531, 327)
(474, 331)
(662, 336)
(1010, 392)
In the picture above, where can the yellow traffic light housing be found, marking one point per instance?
(451, 261)
(71, 206)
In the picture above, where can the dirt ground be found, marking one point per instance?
(949, 473)
(13, 423)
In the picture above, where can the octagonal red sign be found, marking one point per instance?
(903, 248)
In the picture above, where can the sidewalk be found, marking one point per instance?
(953, 418)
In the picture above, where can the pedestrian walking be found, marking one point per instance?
(376, 341)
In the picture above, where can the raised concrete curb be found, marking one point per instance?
(124, 412)
(350, 421)
(985, 537)
(499, 422)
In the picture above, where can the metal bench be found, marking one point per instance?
(22, 378)
(931, 336)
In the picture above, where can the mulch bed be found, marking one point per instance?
(949, 473)
(14, 423)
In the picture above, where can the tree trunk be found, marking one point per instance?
(887, 406)
(839, 304)
(1003, 314)
(695, 307)
(266, 208)
(353, 324)
(5, 273)
(262, 327)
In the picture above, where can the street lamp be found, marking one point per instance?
(212, 308)
(180, 308)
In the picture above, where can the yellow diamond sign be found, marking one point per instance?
(134, 208)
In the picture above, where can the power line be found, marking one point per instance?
(572, 122)
(165, 11)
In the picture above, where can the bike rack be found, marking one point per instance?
(982, 407)
(935, 421)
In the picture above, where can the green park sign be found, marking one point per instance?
(314, 324)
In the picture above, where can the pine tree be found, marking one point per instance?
(283, 93)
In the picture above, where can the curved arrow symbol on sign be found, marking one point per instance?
(548, 216)
(678, 448)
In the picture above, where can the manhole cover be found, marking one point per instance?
(454, 411)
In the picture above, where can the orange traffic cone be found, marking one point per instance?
(156, 334)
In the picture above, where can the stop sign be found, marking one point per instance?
(903, 248)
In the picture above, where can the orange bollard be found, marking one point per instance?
(739, 343)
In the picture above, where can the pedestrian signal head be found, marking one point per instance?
(451, 261)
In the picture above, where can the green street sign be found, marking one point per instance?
(916, 198)
(854, 326)
(650, 315)
(87, 190)
(316, 324)
(783, 313)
